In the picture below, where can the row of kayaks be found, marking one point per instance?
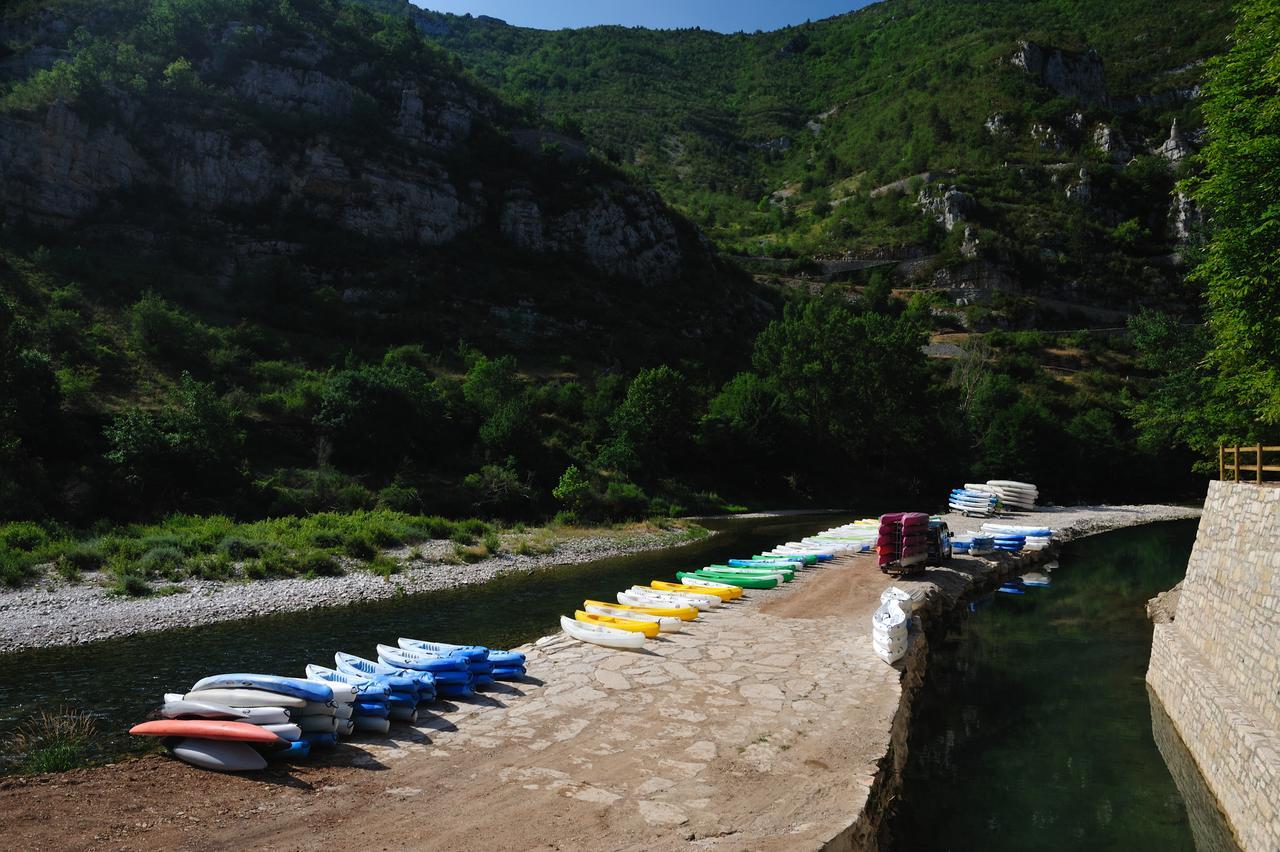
(236, 722)
(643, 613)
(984, 499)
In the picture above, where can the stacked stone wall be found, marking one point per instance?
(1216, 667)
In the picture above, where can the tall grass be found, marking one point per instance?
(53, 741)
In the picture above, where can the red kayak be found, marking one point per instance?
(206, 729)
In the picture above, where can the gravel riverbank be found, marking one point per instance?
(53, 612)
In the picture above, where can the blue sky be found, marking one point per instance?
(722, 15)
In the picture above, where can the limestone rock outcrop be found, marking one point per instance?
(1077, 75)
(948, 205)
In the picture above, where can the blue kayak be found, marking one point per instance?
(317, 739)
(765, 563)
(502, 659)
(378, 709)
(392, 677)
(365, 687)
(296, 687)
(508, 672)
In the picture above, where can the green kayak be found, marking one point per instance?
(788, 574)
(742, 581)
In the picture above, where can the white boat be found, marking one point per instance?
(242, 697)
(371, 724)
(289, 732)
(638, 596)
(692, 595)
(702, 602)
(605, 636)
(219, 755)
(177, 707)
(665, 624)
(697, 583)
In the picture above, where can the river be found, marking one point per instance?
(1033, 729)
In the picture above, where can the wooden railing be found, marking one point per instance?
(1230, 461)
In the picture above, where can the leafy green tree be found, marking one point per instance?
(651, 425)
(1240, 189)
(378, 415)
(573, 491)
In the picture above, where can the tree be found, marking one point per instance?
(378, 415)
(651, 425)
(1240, 190)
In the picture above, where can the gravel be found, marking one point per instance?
(52, 612)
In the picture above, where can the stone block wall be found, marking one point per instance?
(1216, 667)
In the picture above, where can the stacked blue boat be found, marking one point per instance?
(371, 709)
(975, 544)
(971, 501)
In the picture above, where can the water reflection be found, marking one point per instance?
(1033, 729)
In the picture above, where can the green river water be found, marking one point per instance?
(1033, 730)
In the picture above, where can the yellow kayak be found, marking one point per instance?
(684, 613)
(726, 594)
(648, 628)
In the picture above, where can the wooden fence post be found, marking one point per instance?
(1237, 462)
(1222, 463)
(1259, 463)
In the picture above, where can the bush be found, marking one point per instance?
(360, 546)
(84, 556)
(127, 581)
(625, 500)
(399, 498)
(238, 549)
(317, 563)
(54, 741)
(15, 567)
(23, 535)
(163, 561)
(211, 566)
(384, 566)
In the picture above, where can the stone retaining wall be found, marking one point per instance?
(1216, 667)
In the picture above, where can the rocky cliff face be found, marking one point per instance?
(388, 160)
(1077, 75)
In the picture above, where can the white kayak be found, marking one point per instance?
(319, 708)
(177, 707)
(698, 583)
(318, 724)
(285, 732)
(665, 624)
(604, 636)
(219, 755)
(692, 595)
(371, 724)
(240, 697)
(657, 598)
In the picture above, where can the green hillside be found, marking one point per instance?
(773, 142)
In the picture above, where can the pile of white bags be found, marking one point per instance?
(889, 631)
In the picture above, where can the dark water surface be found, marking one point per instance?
(120, 680)
(1033, 730)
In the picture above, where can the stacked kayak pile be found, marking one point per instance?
(1032, 538)
(972, 501)
(857, 537)
(975, 544)
(1021, 496)
(903, 539)
(235, 722)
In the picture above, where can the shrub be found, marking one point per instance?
(360, 546)
(385, 566)
(211, 566)
(472, 553)
(15, 567)
(399, 498)
(127, 582)
(625, 500)
(237, 548)
(23, 535)
(83, 556)
(53, 741)
(317, 563)
(492, 542)
(163, 561)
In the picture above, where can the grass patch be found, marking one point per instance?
(470, 553)
(385, 566)
(16, 567)
(53, 741)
